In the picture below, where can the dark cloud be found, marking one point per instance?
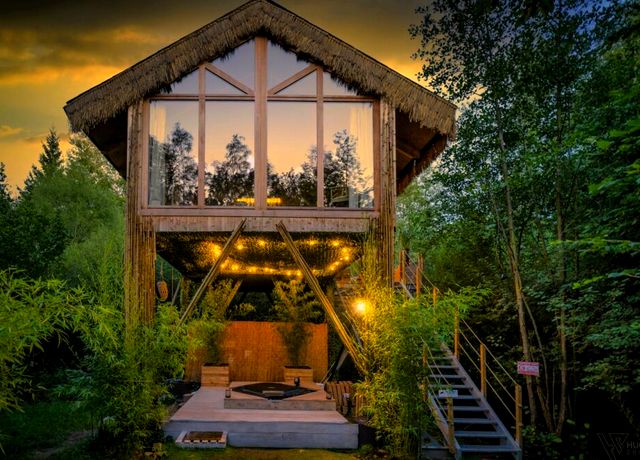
(71, 34)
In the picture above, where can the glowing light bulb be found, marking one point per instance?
(360, 306)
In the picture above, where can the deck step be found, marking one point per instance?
(462, 398)
(474, 421)
(479, 434)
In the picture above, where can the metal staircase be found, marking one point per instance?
(469, 425)
(462, 408)
(465, 418)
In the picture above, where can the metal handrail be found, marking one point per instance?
(485, 381)
(489, 351)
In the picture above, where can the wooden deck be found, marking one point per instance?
(205, 411)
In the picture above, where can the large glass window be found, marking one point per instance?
(282, 65)
(240, 63)
(173, 159)
(209, 134)
(229, 157)
(348, 157)
(292, 154)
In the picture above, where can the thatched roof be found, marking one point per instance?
(259, 17)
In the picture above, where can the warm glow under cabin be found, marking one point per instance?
(226, 125)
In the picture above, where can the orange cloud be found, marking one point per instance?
(9, 131)
(33, 56)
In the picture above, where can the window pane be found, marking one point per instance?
(173, 156)
(282, 65)
(334, 87)
(229, 156)
(240, 63)
(216, 85)
(348, 160)
(306, 86)
(188, 85)
(292, 154)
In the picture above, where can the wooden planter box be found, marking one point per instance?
(214, 375)
(304, 372)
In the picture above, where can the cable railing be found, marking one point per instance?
(489, 379)
(443, 414)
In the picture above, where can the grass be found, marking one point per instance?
(44, 428)
(231, 453)
(41, 425)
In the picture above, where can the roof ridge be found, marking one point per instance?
(255, 18)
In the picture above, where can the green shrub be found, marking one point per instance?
(124, 379)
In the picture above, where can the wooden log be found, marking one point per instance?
(314, 285)
(228, 246)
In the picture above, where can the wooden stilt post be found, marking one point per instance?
(456, 334)
(451, 431)
(403, 273)
(419, 269)
(313, 283)
(213, 272)
(519, 415)
(483, 370)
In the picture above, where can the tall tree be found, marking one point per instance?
(512, 161)
(50, 161)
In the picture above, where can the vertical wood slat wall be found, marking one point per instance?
(386, 222)
(140, 240)
(255, 352)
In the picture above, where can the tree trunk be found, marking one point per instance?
(512, 250)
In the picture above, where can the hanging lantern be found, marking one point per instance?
(163, 290)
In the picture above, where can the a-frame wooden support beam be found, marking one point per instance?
(231, 296)
(213, 272)
(313, 283)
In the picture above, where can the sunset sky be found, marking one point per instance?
(50, 51)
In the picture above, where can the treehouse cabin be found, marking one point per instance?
(262, 146)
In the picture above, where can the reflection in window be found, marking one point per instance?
(229, 159)
(334, 87)
(306, 86)
(239, 63)
(348, 160)
(282, 65)
(188, 85)
(216, 85)
(292, 154)
(173, 160)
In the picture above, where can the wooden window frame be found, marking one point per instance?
(261, 95)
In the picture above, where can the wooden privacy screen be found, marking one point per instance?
(255, 352)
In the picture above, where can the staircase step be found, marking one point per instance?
(462, 398)
(454, 386)
(476, 421)
(443, 366)
(479, 434)
(471, 408)
(488, 449)
(448, 376)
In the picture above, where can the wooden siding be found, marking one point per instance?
(304, 222)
